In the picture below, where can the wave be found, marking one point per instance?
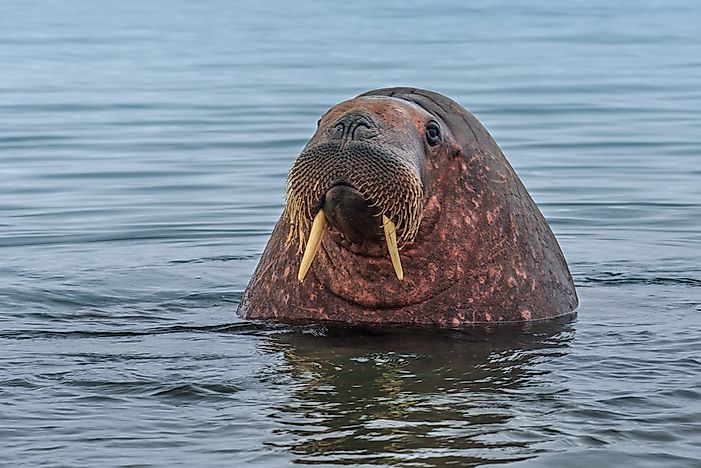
(620, 279)
(244, 328)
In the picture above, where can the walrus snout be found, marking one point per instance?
(354, 125)
(362, 175)
(381, 175)
(347, 210)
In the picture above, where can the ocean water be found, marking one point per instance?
(143, 151)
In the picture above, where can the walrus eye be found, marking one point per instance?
(433, 133)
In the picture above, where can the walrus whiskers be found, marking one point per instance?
(385, 182)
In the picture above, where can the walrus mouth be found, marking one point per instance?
(386, 180)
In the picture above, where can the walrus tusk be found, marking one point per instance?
(313, 244)
(391, 238)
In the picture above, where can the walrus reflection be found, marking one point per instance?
(385, 397)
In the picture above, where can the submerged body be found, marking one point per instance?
(402, 209)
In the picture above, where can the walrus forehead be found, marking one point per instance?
(389, 113)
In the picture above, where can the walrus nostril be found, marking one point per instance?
(363, 131)
(354, 126)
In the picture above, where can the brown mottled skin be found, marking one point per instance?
(484, 253)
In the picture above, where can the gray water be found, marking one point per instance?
(143, 151)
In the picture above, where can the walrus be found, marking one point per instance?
(403, 210)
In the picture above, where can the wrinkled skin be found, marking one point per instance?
(483, 252)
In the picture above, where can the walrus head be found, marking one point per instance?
(363, 172)
(409, 169)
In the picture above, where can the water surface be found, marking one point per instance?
(143, 151)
